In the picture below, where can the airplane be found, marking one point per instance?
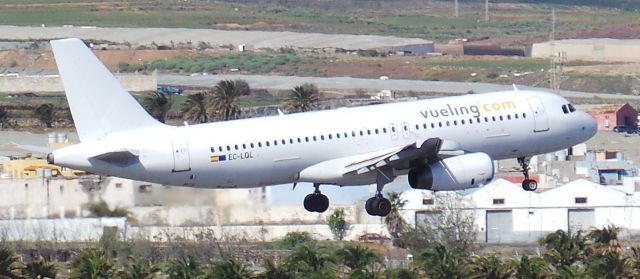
(441, 144)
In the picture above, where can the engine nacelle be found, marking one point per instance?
(453, 173)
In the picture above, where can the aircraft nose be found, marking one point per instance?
(589, 125)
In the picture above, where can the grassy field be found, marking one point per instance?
(431, 20)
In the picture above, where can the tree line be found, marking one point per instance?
(217, 104)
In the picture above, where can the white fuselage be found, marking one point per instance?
(274, 150)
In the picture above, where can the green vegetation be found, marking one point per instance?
(337, 224)
(246, 63)
(401, 18)
(302, 98)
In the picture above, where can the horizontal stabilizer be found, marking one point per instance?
(33, 148)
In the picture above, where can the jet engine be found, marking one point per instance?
(453, 173)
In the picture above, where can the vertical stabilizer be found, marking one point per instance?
(99, 103)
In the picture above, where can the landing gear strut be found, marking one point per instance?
(527, 184)
(379, 205)
(316, 201)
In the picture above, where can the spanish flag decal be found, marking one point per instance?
(218, 158)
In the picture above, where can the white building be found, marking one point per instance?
(504, 213)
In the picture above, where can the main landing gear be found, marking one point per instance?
(527, 184)
(379, 205)
(316, 201)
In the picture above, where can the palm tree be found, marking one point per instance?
(92, 263)
(395, 223)
(184, 268)
(139, 268)
(440, 263)
(607, 266)
(489, 267)
(10, 268)
(223, 99)
(274, 271)
(605, 241)
(228, 269)
(158, 105)
(312, 261)
(195, 108)
(564, 248)
(44, 113)
(357, 256)
(399, 273)
(302, 98)
(39, 268)
(531, 268)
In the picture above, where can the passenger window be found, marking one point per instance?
(314, 138)
(376, 131)
(524, 115)
(330, 136)
(251, 144)
(516, 115)
(393, 129)
(236, 147)
(291, 141)
(259, 144)
(440, 124)
(353, 134)
(462, 121)
(213, 149)
(361, 133)
(321, 137)
(228, 148)
(433, 125)
(220, 148)
(500, 117)
(337, 135)
(244, 146)
(266, 143)
(424, 125)
(284, 142)
(275, 143)
(384, 130)
(306, 139)
(368, 132)
(493, 118)
(299, 140)
(508, 116)
(455, 122)
(486, 119)
(417, 127)
(447, 123)
(347, 135)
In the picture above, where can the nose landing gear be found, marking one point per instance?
(527, 184)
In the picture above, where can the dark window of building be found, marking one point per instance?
(498, 201)
(427, 201)
(581, 200)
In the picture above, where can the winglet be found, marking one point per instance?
(99, 103)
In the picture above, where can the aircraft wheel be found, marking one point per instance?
(323, 203)
(309, 203)
(529, 185)
(383, 207)
(368, 206)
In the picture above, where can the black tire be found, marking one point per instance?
(368, 206)
(323, 203)
(383, 207)
(309, 203)
(533, 185)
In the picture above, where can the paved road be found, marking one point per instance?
(258, 39)
(288, 82)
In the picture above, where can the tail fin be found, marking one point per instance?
(99, 103)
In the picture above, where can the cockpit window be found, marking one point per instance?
(565, 109)
(571, 108)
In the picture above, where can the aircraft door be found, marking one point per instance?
(181, 160)
(539, 115)
(393, 131)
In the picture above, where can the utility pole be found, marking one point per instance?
(456, 7)
(486, 10)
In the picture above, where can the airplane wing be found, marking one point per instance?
(400, 157)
